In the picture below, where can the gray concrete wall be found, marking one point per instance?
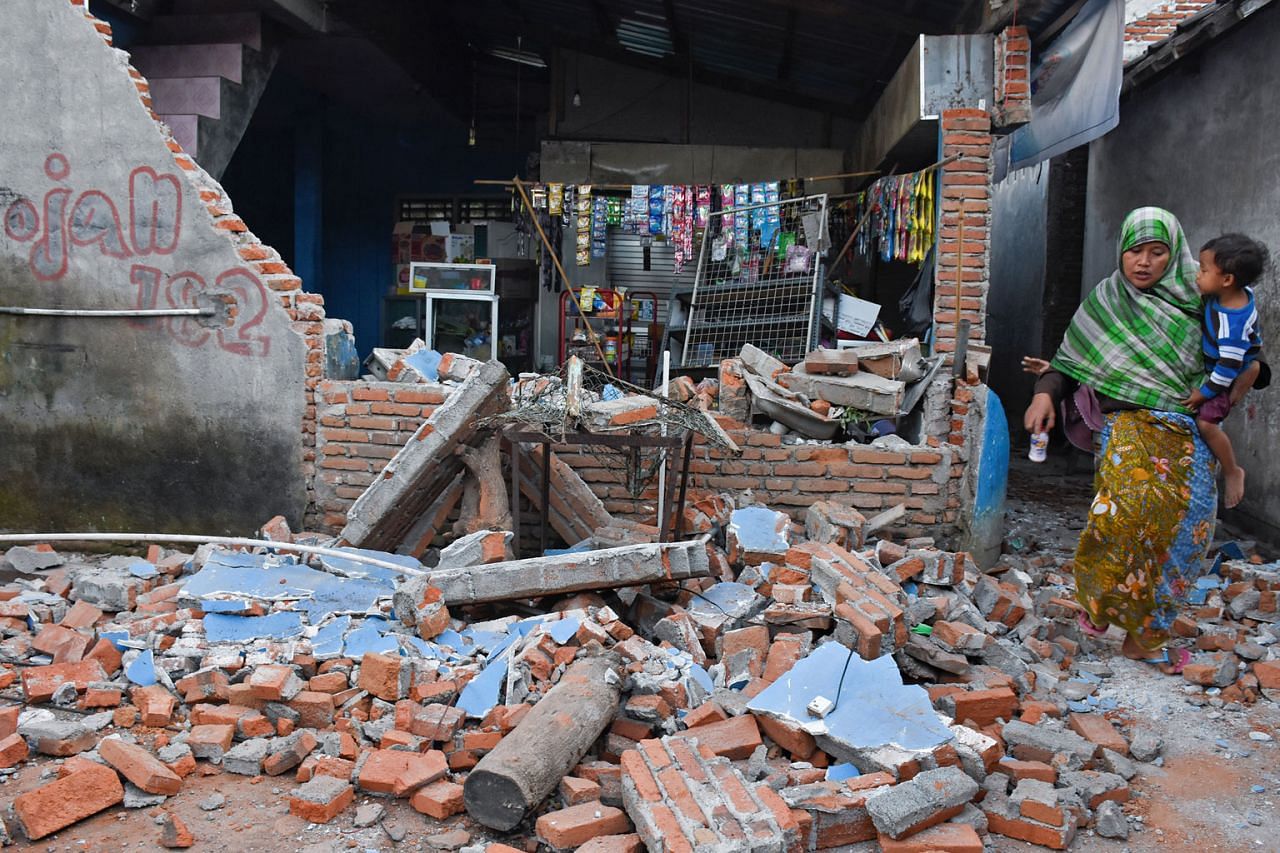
(108, 424)
(1200, 141)
(1018, 232)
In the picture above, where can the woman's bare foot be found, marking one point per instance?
(1233, 486)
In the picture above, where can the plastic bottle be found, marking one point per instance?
(1039, 446)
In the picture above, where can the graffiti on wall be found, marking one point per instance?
(145, 224)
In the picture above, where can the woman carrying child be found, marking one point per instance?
(1128, 360)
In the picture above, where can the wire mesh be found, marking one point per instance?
(758, 279)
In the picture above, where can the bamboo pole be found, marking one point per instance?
(577, 297)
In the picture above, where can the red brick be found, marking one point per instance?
(735, 738)
(139, 766)
(274, 683)
(386, 770)
(155, 705)
(1267, 673)
(575, 791)
(329, 682)
(951, 837)
(82, 614)
(51, 807)
(629, 843)
(983, 707)
(39, 683)
(1020, 770)
(380, 675)
(321, 812)
(211, 736)
(576, 825)
(106, 654)
(13, 749)
(1097, 729)
(315, 710)
(439, 800)
(789, 736)
(291, 756)
(707, 712)
(634, 766)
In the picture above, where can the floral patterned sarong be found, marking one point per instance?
(1150, 524)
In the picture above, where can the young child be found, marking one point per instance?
(1232, 341)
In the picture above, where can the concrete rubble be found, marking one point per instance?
(836, 689)
(763, 684)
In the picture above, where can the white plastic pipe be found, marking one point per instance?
(207, 540)
(109, 312)
(662, 466)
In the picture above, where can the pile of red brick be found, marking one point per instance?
(685, 763)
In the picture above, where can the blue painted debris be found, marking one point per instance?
(226, 628)
(119, 639)
(564, 630)
(873, 709)
(759, 530)
(238, 576)
(353, 569)
(732, 600)
(143, 569)
(142, 671)
(840, 772)
(581, 547)
(370, 637)
(327, 643)
(426, 362)
(1258, 789)
(481, 693)
(220, 606)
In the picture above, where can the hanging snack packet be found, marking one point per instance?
(566, 210)
(555, 199)
(657, 208)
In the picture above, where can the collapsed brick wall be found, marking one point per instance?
(305, 310)
(359, 427)
(790, 478)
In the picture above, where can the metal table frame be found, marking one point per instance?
(618, 440)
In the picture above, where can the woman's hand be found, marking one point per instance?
(1040, 416)
(1034, 366)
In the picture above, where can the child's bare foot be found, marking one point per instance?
(1233, 485)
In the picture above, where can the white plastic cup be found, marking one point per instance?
(1039, 447)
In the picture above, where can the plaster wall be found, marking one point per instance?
(115, 424)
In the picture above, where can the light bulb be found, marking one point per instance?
(577, 98)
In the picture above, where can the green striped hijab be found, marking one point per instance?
(1142, 347)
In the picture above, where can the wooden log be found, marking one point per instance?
(492, 509)
(529, 763)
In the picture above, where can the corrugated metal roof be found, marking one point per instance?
(837, 51)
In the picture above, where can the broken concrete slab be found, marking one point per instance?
(384, 514)
(865, 392)
(898, 359)
(605, 569)
(873, 706)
